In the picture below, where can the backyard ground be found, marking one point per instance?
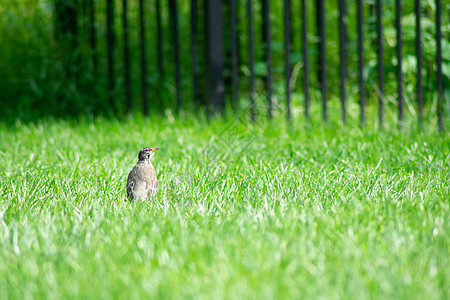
(258, 211)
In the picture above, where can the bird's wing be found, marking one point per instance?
(131, 181)
(130, 186)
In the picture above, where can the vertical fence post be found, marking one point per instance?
(322, 57)
(287, 58)
(93, 38)
(419, 63)
(143, 58)
(234, 56)
(439, 66)
(194, 51)
(398, 25)
(173, 15)
(343, 55)
(110, 53)
(380, 63)
(267, 39)
(215, 56)
(251, 49)
(362, 94)
(126, 55)
(305, 58)
(160, 53)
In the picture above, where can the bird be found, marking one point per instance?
(142, 182)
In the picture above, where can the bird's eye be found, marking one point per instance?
(148, 156)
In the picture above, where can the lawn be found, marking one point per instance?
(242, 211)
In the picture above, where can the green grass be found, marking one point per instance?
(242, 211)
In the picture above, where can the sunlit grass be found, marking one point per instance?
(242, 211)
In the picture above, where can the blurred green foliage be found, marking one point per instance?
(41, 76)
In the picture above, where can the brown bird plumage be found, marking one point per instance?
(142, 180)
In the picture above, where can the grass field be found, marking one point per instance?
(242, 211)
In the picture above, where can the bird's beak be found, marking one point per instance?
(154, 149)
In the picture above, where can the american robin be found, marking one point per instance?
(142, 179)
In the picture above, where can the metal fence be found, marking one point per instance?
(214, 16)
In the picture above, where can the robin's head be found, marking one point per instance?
(146, 153)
